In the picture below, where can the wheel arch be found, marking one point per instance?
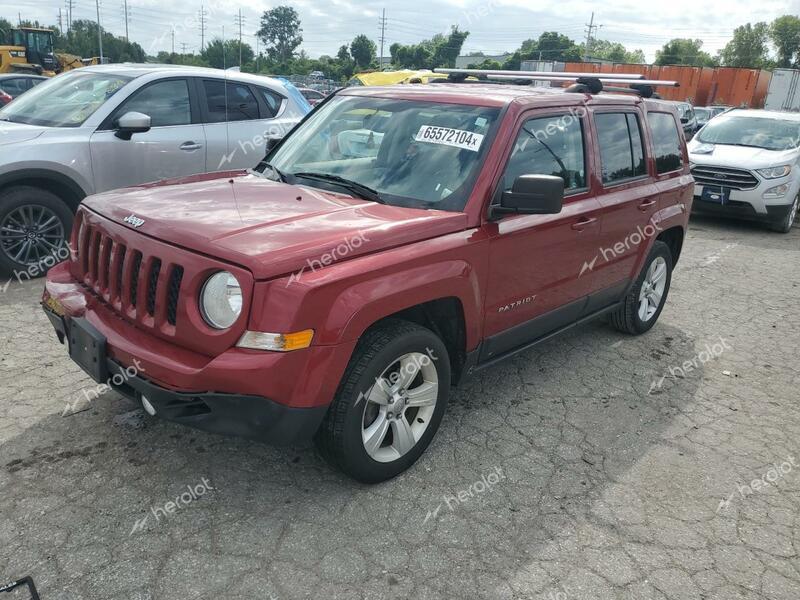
(673, 238)
(54, 182)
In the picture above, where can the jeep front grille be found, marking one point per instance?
(150, 284)
(737, 179)
(122, 278)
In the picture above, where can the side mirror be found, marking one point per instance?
(130, 123)
(684, 120)
(532, 195)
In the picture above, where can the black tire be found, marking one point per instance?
(14, 198)
(785, 226)
(626, 318)
(339, 438)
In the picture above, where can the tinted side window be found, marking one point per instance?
(666, 142)
(230, 102)
(13, 87)
(166, 102)
(272, 100)
(621, 147)
(549, 146)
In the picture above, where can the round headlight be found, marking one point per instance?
(221, 300)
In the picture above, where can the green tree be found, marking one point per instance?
(439, 51)
(363, 51)
(785, 35)
(684, 51)
(280, 32)
(748, 48)
(223, 55)
(615, 52)
(5, 31)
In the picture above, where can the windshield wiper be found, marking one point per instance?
(281, 175)
(361, 190)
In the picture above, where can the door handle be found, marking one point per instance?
(189, 146)
(646, 204)
(583, 224)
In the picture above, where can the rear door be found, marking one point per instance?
(237, 118)
(535, 261)
(628, 195)
(175, 146)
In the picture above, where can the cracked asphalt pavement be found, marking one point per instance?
(594, 466)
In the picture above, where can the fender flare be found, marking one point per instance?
(361, 305)
(58, 182)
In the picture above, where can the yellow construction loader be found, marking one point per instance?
(32, 51)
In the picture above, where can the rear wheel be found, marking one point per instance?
(389, 404)
(641, 308)
(34, 229)
(785, 226)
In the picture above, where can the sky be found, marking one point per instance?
(495, 26)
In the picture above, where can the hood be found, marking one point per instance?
(268, 227)
(740, 157)
(11, 133)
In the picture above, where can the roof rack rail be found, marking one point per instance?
(587, 83)
(518, 74)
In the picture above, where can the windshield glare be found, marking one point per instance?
(413, 153)
(759, 132)
(64, 101)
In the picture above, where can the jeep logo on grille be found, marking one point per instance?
(134, 221)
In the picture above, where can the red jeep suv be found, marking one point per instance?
(397, 240)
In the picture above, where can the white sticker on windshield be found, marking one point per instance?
(457, 138)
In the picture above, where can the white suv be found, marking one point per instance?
(746, 164)
(99, 128)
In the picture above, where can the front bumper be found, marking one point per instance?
(248, 416)
(241, 415)
(749, 205)
(271, 396)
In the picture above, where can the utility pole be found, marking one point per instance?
(173, 41)
(69, 4)
(589, 32)
(125, 9)
(60, 23)
(183, 47)
(256, 53)
(239, 20)
(99, 31)
(203, 15)
(383, 36)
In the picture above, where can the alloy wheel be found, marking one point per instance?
(399, 407)
(652, 291)
(31, 233)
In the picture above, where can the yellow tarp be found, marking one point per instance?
(393, 77)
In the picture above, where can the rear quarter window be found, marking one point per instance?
(667, 147)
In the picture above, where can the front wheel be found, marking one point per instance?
(389, 404)
(641, 308)
(34, 230)
(785, 226)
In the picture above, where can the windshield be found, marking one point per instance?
(758, 132)
(64, 101)
(685, 111)
(412, 153)
(703, 114)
